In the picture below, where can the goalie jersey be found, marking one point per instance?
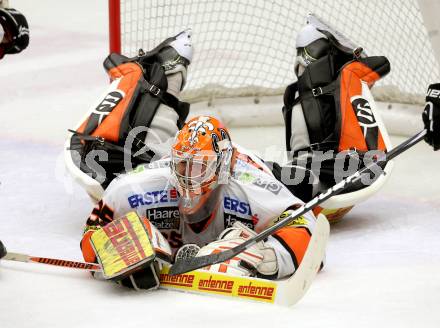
(252, 196)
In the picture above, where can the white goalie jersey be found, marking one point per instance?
(253, 196)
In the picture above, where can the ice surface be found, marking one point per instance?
(383, 260)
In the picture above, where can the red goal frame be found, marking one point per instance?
(114, 24)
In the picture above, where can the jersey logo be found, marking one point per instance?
(153, 197)
(366, 120)
(299, 221)
(249, 222)
(236, 210)
(158, 165)
(153, 165)
(234, 205)
(246, 177)
(272, 186)
(164, 217)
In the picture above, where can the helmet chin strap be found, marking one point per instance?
(226, 160)
(187, 200)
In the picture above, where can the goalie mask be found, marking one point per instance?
(200, 165)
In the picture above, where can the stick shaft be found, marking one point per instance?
(339, 187)
(51, 261)
(183, 266)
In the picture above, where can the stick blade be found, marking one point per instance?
(191, 264)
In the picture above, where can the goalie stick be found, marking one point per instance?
(45, 260)
(185, 265)
(284, 292)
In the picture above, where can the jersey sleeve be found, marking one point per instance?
(115, 202)
(102, 214)
(269, 200)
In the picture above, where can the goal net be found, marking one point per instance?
(247, 47)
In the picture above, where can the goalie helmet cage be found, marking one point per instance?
(247, 47)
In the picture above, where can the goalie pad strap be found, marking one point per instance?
(114, 60)
(334, 104)
(181, 108)
(110, 146)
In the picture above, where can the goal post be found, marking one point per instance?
(114, 14)
(246, 48)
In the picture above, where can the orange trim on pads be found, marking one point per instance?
(351, 85)
(129, 74)
(297, 239)
(86, 247)
(317, 210)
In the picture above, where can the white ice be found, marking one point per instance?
(383, 259)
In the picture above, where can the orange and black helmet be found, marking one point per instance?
(200, 159)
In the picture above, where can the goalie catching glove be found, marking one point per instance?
(131, 251)
(431, 116)
(259, 260)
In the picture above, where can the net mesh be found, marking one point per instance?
(247, 47)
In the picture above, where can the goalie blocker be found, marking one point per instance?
(131, 251)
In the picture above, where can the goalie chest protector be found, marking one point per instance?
(335, 111)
